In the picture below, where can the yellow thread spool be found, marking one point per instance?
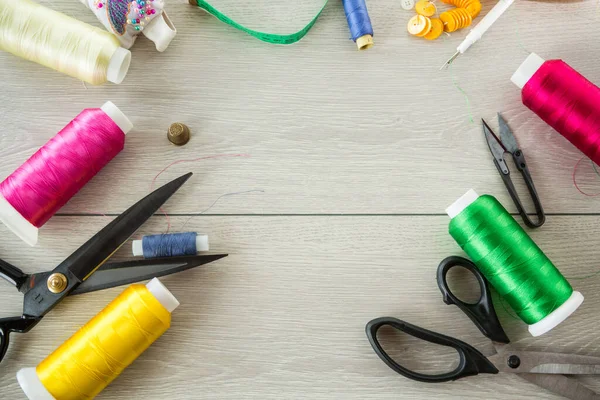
(97, 354)
(47, 37)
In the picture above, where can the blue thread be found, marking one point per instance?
(358, 18)
(169, 245)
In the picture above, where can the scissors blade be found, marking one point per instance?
(506, 136)
(560, 384)
(538, 362)
(567, 369)
(496, 147)
(84, 261)
(118, 274)
(78, 267)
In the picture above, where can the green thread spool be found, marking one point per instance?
(511, 261)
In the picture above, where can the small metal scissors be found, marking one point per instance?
(508, 144)
(547, 370)
(85, 270)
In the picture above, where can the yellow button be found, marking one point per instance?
(465, 17)
(473, 7)
(419, 25)
(449, 21)
(437, 27)
(427, 28)
(425, 8)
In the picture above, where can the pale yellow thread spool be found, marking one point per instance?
(39, 34)
(94, 356)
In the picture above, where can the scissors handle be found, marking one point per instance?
(20, 324)
(12, 274)
(471, 362)
(519, 159)
(482, 313)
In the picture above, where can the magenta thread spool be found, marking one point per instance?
(32, 194)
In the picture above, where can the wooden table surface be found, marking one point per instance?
(351, 158)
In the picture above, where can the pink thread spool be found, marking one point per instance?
(32, 194)
(563, 98)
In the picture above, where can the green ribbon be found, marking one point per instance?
(265, 37)
(510, 260)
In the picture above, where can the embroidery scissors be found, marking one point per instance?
(85, 270)
(547, 370)
(508, 144)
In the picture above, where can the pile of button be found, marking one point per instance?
(424, 25)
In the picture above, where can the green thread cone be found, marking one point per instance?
(510, 260)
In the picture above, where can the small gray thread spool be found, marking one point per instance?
(178, 134)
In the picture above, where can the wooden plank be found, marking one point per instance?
(283, 316)
(328, 129)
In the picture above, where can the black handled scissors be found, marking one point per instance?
(508, 144)
(546, 370)
(85, 270)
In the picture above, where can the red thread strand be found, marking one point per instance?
(186, 161)
(58, 170)
(569, 103)
(575, 180)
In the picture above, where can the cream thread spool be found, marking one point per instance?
(57, 41)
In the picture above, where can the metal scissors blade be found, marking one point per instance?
(80, 265)
(560, 384)
(508, 139)
(84, 261)
(496, 147)
(124, 273)
(570, 364)
(538, 362)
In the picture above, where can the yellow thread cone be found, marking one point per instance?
(94, 356)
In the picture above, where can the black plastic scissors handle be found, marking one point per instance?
(482, 313)
(471, 362)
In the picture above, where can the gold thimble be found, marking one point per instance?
(178, 134)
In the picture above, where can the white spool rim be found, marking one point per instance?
(202, 243)
(17, 223)
(557, 316)
(32, 386)
(162, 294)
(463, 202)
(118, 65)
(137, 248)
(529, 67)
(161, 31)
(117, 116)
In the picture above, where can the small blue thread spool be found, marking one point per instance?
(170, 245)
(359, 23)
